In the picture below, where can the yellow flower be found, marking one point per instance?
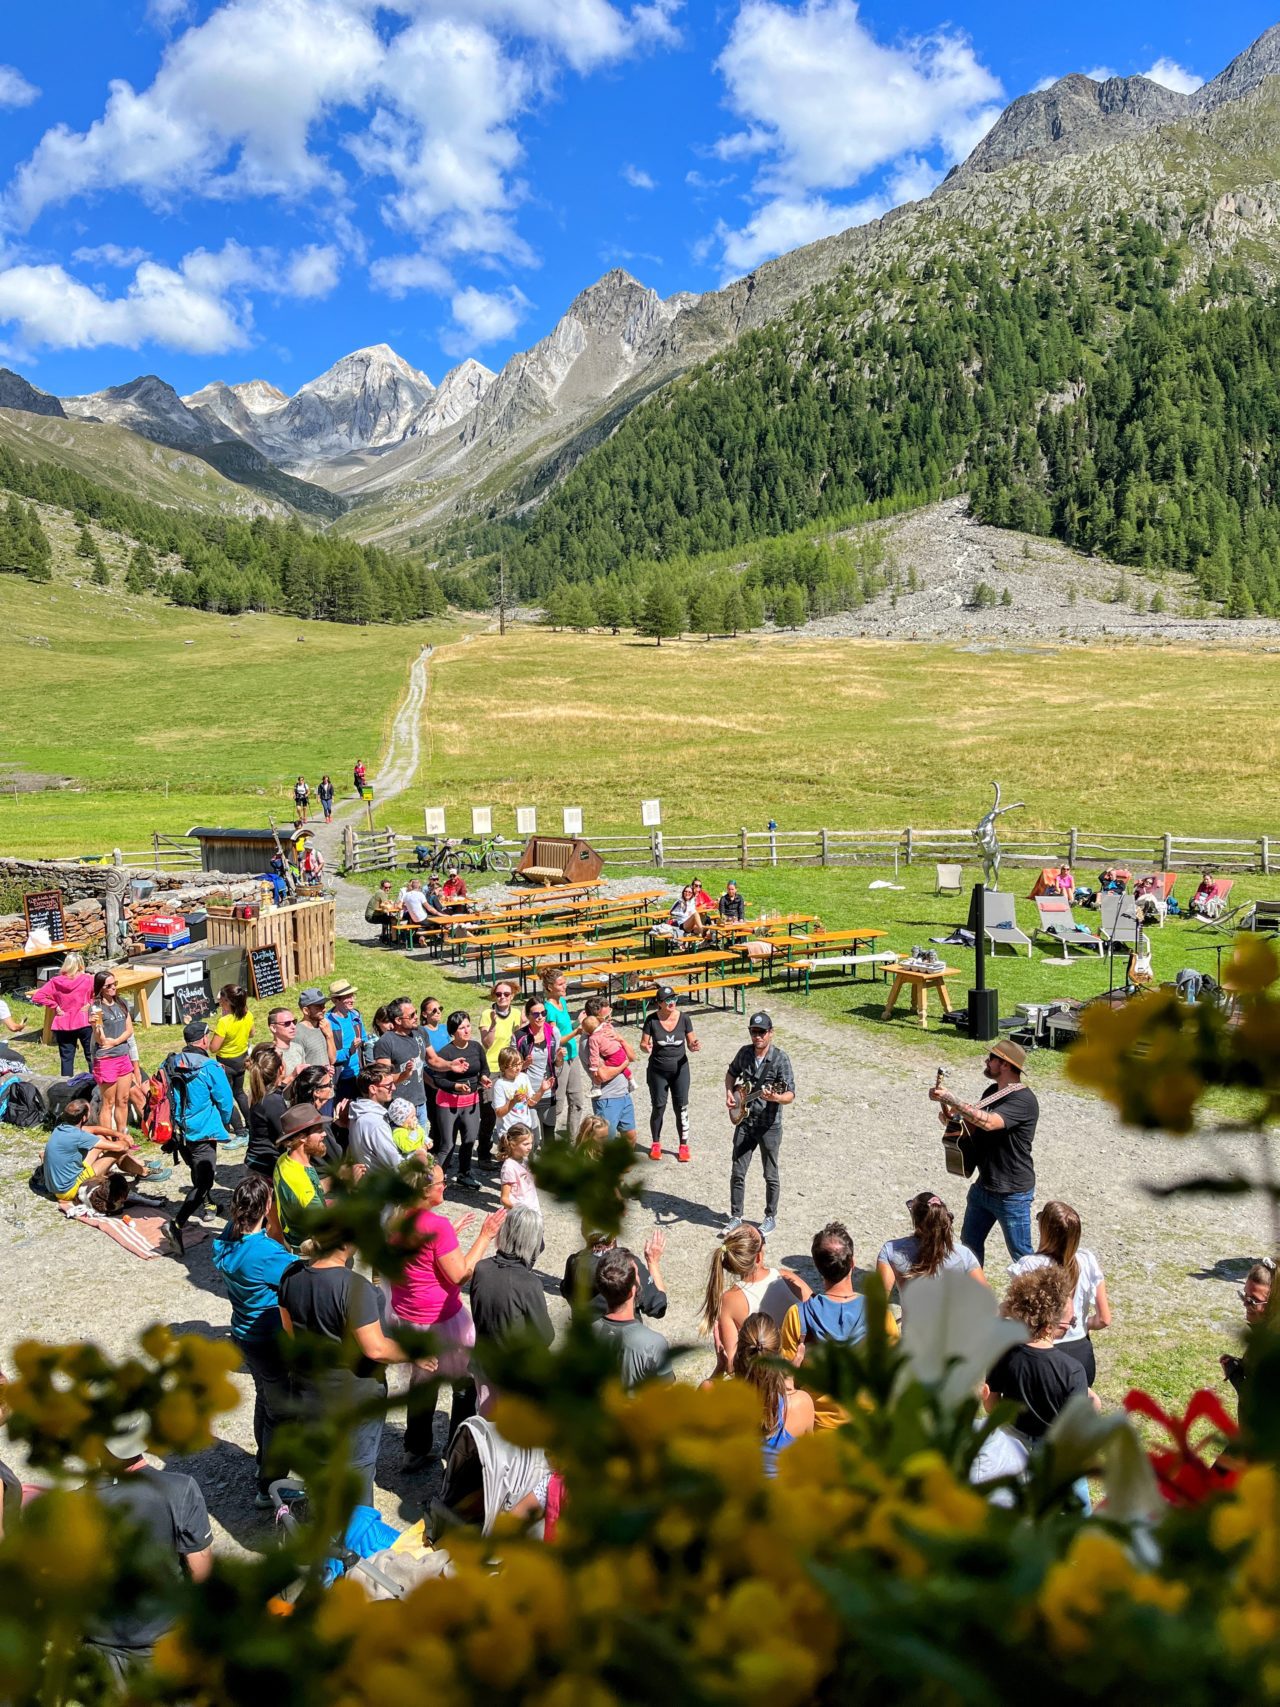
(522, 1422)
(1097, 1574)
(1252, 966)
(63, 1543)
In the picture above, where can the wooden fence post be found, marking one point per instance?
(1073, 846)
(742, 847)
(826, 849)
(910, 845)
(348, 847)
(657, 849)
(1264, 855)
(155, 848)
(1167, 856)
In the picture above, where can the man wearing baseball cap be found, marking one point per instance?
(200, 1094)
(1001, 1128)
(764, 1072)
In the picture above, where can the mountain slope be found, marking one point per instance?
(19, 393)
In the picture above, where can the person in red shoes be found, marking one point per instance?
(668, 1040)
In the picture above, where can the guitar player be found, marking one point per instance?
(767, 1069)
(1000, 1129)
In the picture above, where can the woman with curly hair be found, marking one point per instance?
(1039, 1376)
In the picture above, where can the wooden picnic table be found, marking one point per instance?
(15, 960)
(920, 983)
(665, 968)
(539, 953)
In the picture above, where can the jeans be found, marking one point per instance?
(271, 1397)
(1012, 1209)
(66, 1041)
(677, 1086)
(768, 1140)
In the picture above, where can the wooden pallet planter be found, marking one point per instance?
(303, 935)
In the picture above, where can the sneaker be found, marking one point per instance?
(262, 1500)
(155, 1175)
(236, 1141)
(171, 1233)
(655, 1152)
(732, 1224)
(767, 1226)
(419, 1463)
(469, 1180)
(682, 1155)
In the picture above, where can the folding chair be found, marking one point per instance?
(949, 880)
(1120, 921)
(1001, 924)
(1056, 921)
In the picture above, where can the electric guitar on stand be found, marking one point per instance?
(955, 1139)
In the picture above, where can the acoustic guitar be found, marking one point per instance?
(747, 1095)
(955, 1138)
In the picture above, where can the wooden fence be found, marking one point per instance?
(1154, 850)
(166, 853)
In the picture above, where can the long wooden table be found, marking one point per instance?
(664, 968)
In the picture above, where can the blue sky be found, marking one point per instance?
(251, 188)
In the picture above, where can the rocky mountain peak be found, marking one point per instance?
(259, 396)
(19, 393)
(148, 406)
(1245, 72)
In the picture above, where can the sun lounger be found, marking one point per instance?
(949, 879)
(1056, 921)
(1001, 924)
(1120, 921)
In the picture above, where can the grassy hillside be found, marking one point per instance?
(848, 733)
(167, 718)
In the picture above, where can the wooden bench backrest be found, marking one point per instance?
(576, 860)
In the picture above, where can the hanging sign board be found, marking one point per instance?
(651, 813)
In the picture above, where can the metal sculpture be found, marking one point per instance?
(987, 839)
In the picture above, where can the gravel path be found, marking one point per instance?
(859, 1141)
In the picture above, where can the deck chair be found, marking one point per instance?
(1120, 921)
(1159, 896)
(1001, 924)
(1215, 908)
(1046, 883)
(1057, 923)
(949, 880)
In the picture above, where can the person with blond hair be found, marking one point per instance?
(69, 993)
(1060, 1229)
(741, 1283)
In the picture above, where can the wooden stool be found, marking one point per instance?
(921, 983)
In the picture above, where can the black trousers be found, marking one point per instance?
(454, 1127)
(675, 1085)
(235, 1071)
(272, 1397)
(202, 1159)
(750, 1137)
(1082, 1351)
(488, 1120)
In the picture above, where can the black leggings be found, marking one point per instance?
(1082, 1351)
(677, 1085)
(201, 1158)
(235, 1071)
(450, 1124)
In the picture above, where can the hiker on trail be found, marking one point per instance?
(358, 776)
(202, 1107)
(301, 795)
(325, 792)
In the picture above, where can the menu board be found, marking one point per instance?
(264, 970)
(44, 912)
(191, 1004)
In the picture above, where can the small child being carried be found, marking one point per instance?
(406, 1133)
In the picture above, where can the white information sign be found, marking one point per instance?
(651, 813)
(573, 820)
(482, 820)
(433, 820)
(527, 820)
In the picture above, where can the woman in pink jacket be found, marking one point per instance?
(69, 993)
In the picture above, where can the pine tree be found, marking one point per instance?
(579, 611)
(85, 546)
(556, 611)
(707, 609)
(663, 617)
(612, 608)
(752, 609)
(732, 613)
(789, 611)
(101, 576)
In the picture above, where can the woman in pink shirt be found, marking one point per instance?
(68, 993)
(428, 1295)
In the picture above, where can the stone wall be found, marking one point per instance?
(82, 887)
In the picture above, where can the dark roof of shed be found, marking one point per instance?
(203, 833)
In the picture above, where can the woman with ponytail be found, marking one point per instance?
(931, 1247)
(785, 1413)
(252, 1265)
(741, 1284)
(1060, 1245)
(266, 1109)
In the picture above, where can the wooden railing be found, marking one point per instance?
(166, 853)
(374, 850)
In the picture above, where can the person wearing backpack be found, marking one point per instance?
(838, 1312)
(202, 1105)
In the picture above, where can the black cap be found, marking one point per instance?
(195, 1031)
(665, 993)
(760, 1022)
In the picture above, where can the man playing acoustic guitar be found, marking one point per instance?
(999, 1132)
(758, 1085)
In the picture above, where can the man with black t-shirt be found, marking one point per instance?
(169, 1510)
(1001, 1129)
(766, 1073)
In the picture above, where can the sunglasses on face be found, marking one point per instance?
(286, 1022)
(537, 1013)
(1253, 1300)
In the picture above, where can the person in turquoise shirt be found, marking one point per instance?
(573, 1087)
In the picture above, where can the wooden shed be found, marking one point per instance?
(243, 853)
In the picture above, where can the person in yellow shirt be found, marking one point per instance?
(229, 1041)
(839, 1312)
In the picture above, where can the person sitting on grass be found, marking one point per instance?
(77, 1155)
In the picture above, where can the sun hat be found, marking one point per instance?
(296, 1121)
(1013, 1053)
(400, 1110)
(339, 988)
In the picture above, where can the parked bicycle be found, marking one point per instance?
(447, 853)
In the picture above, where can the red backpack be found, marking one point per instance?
(157, 1111)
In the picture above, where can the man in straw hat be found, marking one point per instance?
(349, 1038)
(1001, 1128)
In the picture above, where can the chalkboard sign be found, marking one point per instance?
(44, 912)
(264, 970)
(190, 1004)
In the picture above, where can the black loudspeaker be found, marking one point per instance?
(984, 1014)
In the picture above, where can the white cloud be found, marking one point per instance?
(15, 91)
(109, 255)
(1174, 76)
(166, 14)
(824, 104)
(203, 305)
(638, 178)
(482, 317)
(397, 275)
